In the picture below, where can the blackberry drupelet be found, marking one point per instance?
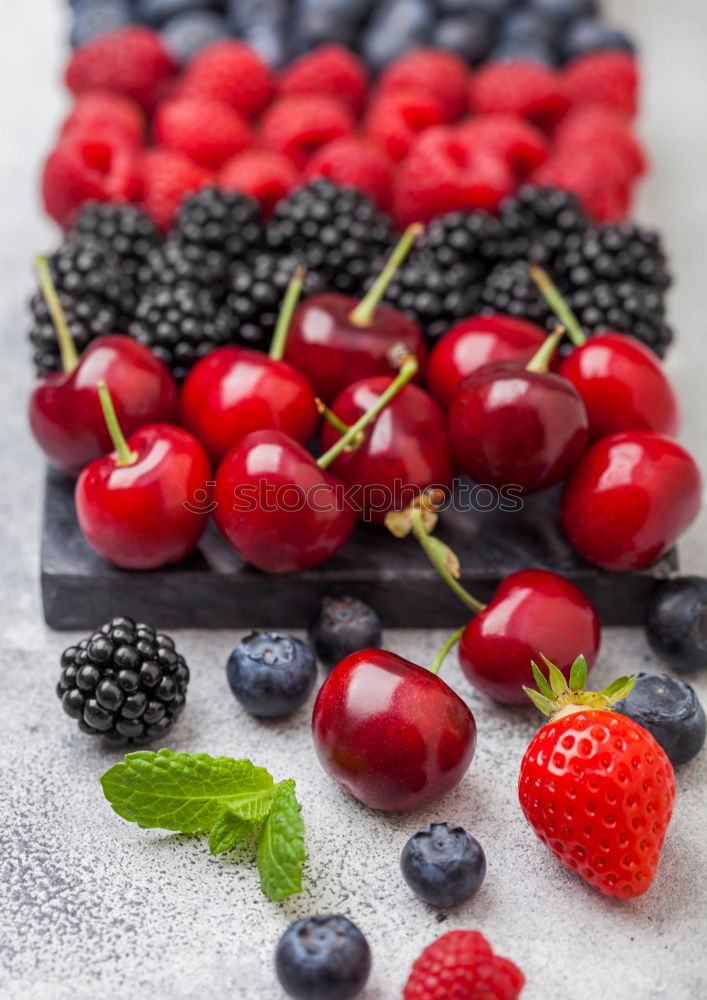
(509, 289)
(125, 683)
(124, 230)
(337, 231)
(224, 227)
(538, 222)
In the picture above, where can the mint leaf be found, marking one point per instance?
(228, 831)
(281, 852)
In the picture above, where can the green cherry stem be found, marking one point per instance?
(284, 319)
(440, 657)
(125, 455)
(331, 418)
(540, 361)
(408, 370)
(552, 295)
(365, 311)
(437, 554)
(67, 347)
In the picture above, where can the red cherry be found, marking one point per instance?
(629, 499)
(533, 613)
(134, 506)
(405, 451)
(390, 732)
(474, 343)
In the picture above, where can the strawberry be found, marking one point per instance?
(594, 785)
(460, 965)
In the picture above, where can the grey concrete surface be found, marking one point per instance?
(91, 906)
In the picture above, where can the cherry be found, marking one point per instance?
(620, 380)
(524, 426)
(64, 410)
(144, 505)
(235, 390)
(335, 340)
(392, 733)
(476, 342)
(630, 498)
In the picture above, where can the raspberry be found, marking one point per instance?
(206, 131)
(589, 127)
(356, 162)
(132, 61)
(232, 73)
(610, 78)
(519, 88)
(518, 143)
(329, 69)
(442, 174)
(461, 966)
(80, 169)
(596, 175)
(167, 177)
(264, 175)
(434, 71)
(300, 124)
(395, 119)
(104, 114)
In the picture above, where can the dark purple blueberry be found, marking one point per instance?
(471, 35)
(676, 625)
(270, 674)
(443, 864)
(324, 957)
(343, 626)
(585, 35)
(670, 710)
(186, 34)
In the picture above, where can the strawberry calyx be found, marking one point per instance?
(556, 697)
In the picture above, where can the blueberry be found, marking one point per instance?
(676, 625)
(670, 710)
(470, 35)
(396, 27)
(95, 17)
(586, 35)
(185, 34)
(532, 49)
(323, 958)
(343, 626)
(443, 864)
(271, 674)
(494, 8)
(269, 41)
(156, 12)
(524, 24)
(245, 14)
(564, 10)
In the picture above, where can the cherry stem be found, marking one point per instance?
(331, 418)
(284, 319)
(67, 347)
(365, 311)
(434, 555)
(441, 656)
(408, 370)
(125, 455)
(552, 295)
(540, 361)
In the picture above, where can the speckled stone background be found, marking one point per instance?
(92, 906)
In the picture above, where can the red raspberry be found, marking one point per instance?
(434, 71)
(98, 114)
(83, 168)
(132, 61)
(610, 78)
(591, 126)
(519, 88)
(330, 69)
(167, 177)
(521, 145)
(442, 174)
(207, 132)
(461, 966)
(395, 119)
(233, 73)
(596, 175)
(264, 175)
(300, 124)
(357, 162)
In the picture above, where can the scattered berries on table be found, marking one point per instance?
(325, 957)
(676, 625)
(443, 864)
(344, 625)
(271, 674)
(462, 964)
(671, 712)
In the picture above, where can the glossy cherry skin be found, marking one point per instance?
(630, 498)
(511, 426)
(474, 343)
(391, 733)
(332, 351)
(65, 412)
(405, 450)
(235, 390)
(623, 386)
(276, 507)
(150, 513)
(532, 613)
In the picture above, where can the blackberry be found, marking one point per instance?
(124, 230)
(625, 307)
(337, 231)
(509, 289)
(125, 683)
(254, 296)
(97, 298)
(537, 223)
(176, 261)
(615, 253)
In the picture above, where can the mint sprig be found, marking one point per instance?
(226, 798)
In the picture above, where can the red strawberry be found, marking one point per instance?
(264, 175)
(518, 143)
(395, 119)
(610, 78)
(81, 168)
(230, 72)
(300, 124)
(594, 785)
(100, 113)
(167, 177)
(206, 131)
(357, 162)
(329, 69)
(520, 88)
(443, 74)
(131, 61)
(460, 965)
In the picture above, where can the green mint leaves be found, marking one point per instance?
(228, 799)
